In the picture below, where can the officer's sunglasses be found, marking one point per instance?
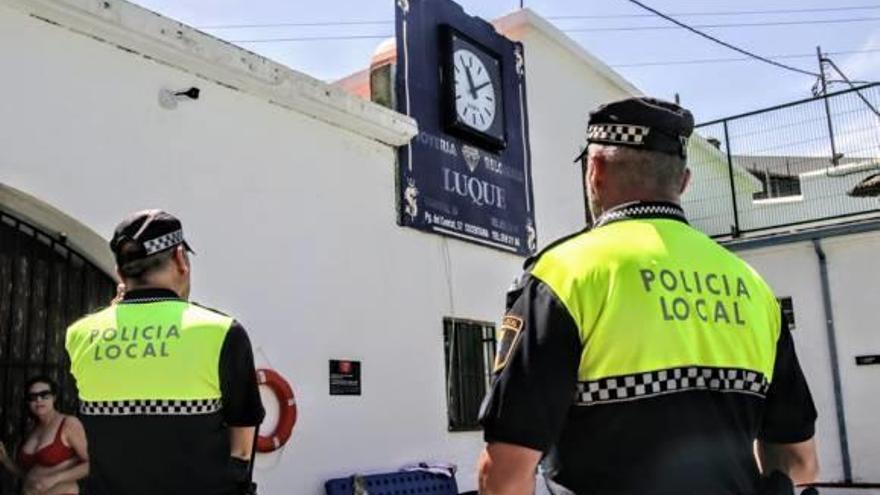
(42, 395)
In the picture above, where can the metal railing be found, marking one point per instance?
(790, 165)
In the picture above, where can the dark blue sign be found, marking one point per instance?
(467, 174)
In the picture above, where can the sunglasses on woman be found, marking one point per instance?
(42, 394)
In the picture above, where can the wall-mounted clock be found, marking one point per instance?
(474, 103)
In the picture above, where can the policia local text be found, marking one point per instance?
(677, 283)
(133, 343)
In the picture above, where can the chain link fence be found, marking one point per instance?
(808, 162)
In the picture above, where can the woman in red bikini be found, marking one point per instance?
(54, 455)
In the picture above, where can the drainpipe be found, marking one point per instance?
(835, 366)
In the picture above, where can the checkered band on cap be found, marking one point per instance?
(633, 135)
(150, 407)
(662, 382)
(164, 242)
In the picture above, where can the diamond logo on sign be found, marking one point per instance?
(471, 157)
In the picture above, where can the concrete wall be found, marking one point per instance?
(793, 270)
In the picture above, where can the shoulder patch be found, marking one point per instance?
(508, 338)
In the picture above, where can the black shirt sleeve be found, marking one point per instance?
(535, 371)
(789, 412)
(238, 380)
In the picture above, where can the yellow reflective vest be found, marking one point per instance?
(663, 308)
(165, 351)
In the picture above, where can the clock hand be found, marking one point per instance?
(470, 79)
(481, 86)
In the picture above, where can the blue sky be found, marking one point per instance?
(710, 90)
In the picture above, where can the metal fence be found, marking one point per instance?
(790, 165)
(44, 286)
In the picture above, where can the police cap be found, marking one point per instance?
(151, 231)
(642, 123)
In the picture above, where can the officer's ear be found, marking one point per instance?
(685, 181)
(181, 261)
(596, 168)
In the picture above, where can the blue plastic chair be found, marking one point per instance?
(399, 483)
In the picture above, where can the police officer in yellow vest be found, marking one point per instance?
(168, 390)
(640, 356)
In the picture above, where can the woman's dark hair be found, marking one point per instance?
(53, 387)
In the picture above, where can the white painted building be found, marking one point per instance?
(286, 187)
(792, 264)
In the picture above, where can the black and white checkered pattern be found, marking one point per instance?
(633, 135)
(150, 407)
(661, 382)
(164, 242)
(641, 211)
(146, 300)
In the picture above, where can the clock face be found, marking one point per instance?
(473, 85)
(475, 99)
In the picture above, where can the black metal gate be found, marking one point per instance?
(44, 286)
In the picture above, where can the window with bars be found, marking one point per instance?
(470, 354)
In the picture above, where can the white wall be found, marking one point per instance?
(854, 273)
(793, 270)
(294, 223)
(293, 220)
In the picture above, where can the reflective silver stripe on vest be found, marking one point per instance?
(150, 407)
(669, 381)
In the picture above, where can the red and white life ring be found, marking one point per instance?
(286, 411)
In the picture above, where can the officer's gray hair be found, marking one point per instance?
(643, 170)
(139, 269)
